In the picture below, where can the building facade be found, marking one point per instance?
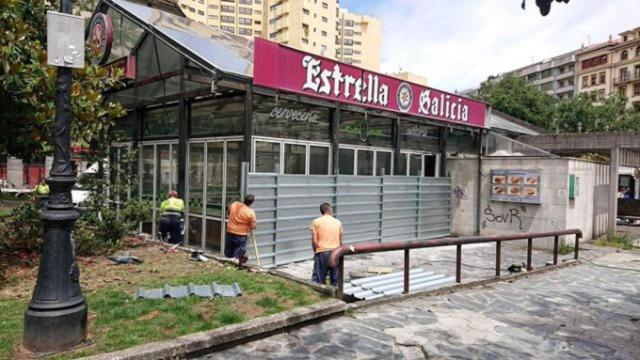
(411, 77)
(594, 73)
(242, 17)
(319, 27)
(626, 66)
(358, 40)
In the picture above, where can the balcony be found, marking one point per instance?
(625, 78)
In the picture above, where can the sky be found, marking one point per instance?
(457, 44)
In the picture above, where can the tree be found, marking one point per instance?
(27, 86)
(579, 113)
(512, 95)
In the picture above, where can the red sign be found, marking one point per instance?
(127, 64)
(101, 37)
(283, 68)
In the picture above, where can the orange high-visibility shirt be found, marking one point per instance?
(327, 231)
(242, 219)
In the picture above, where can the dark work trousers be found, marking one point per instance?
(321, 267)
(235, 245)
(171, 224)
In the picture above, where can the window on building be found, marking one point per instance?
(200, 12)
(305, 41)
(348, 32)
(415, 165)
(349, 23)
(245, 21)
(318, 160)
(258, 2)
(228, 28)
(622, 90)
(295, 159)
(267, 157)
(365, 162)
(244, 31)
(325, 19)
(636, 72)
(430, 165)
(227, 19)
(546, 86)
(325, 5)
(324, 33)
(211, 6)
(594, 79)
(217, 117)
(245, 11)
(305, 11)
(638, 51)
(546, 73)
(192, 9)
(290, 120)
(246, 2)
(346, 162)
(213, 17)
(161, 122)
(227, 8)
(383, 163)
(603, 77)
(585, 81)
(636, 89)
(624, 55)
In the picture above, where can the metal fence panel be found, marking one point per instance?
(372, 209)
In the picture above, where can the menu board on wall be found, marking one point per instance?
(515, 186)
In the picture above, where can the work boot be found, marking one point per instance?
(242, 259)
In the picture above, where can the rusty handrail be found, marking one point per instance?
(338, 254)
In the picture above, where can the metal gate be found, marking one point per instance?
(371, 208)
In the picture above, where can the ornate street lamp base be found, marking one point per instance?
(56, 329)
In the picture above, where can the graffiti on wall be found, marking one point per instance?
(509, 216)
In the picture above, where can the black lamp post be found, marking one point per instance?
(56, 319)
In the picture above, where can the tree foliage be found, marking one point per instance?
(514, 96)
(27, 86)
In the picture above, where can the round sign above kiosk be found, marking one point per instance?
(101, 37)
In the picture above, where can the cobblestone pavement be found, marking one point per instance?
(584, 312)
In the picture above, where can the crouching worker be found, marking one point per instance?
(326, 235)
(242, 220)
(171, 218)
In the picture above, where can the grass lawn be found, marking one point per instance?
(117, 320)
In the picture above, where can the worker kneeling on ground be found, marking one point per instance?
(171, 218)
(242, 220)
(326, 235)
(41, 193)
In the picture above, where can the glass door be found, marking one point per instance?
(214, 181)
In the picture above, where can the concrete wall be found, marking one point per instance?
(555, 212)
(589, 210)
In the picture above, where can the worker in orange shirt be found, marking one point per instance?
(242, 220)
(326, 235)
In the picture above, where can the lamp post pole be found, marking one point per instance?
(56, 319)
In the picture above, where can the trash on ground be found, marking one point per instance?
(198, 255)
(174, 292)
(514, 268)
(379, 270)
(125, 259)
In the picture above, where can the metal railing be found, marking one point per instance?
(337, 255)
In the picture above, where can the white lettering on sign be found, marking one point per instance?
(294, 115)
(443, 106)
(367, 90)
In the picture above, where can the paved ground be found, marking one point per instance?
(583, 312)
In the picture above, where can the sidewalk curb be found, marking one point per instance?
(201, 341)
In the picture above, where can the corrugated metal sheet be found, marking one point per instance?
(374, 287)
(211, 290)
(372, 209)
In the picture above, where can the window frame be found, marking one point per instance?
(281, 160)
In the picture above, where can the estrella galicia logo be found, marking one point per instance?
(404, 97)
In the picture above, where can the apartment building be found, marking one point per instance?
(316, 26)
(410, 77)
(626, 66)
(242, 17)
(358, 39)
(594, 71)
(307, 25)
